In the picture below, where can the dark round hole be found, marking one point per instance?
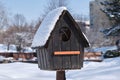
(65, 33)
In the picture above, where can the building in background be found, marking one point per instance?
(98, 22)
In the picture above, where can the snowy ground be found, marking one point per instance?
(109, 69)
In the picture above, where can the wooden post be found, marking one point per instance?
(60, 75)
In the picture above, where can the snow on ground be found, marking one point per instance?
(109, 69)
(24, 71)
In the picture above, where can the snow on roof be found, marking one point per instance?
(46, 27)
(86, 39)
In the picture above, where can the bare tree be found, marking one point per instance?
(37, 24)
(3, 21)
(52, 4)
(81, 17)
(3, 17)
(19, 21)
(13, 34)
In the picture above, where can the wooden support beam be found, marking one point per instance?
(60, 75)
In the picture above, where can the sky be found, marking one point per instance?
(33, 9)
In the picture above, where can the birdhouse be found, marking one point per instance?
(59, 42)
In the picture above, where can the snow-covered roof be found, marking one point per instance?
(86, 39)
(46, 27)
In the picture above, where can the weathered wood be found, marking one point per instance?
(50, 54)
(60, 75)
(52, 57)
(57, 47)
(42, 55)
(39, 61)
(47, 59)
(74, 58)
(66, 59)
(81, 59)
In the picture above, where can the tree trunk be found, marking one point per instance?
(60, 75)
(118, 44)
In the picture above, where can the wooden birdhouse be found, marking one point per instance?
(59, 42)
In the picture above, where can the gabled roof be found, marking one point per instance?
(47, 26)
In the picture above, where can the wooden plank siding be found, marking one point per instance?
(50, 54)
(81, 55)
(65, 46)
(43, 58)
(57, 46)
(74, 58)
(40, 61)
